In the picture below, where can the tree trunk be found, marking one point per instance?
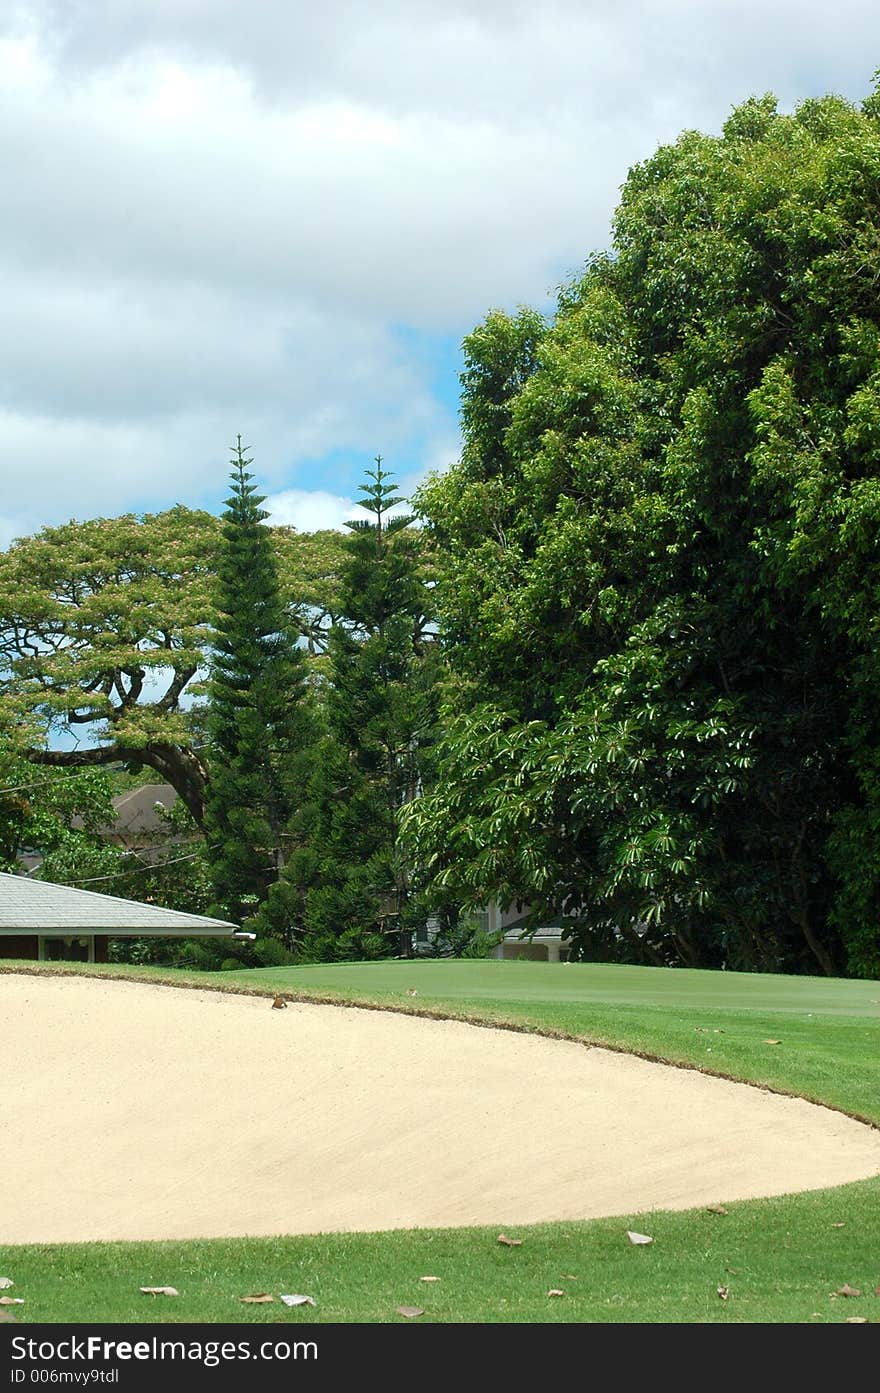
(178, 765)
(820, 953)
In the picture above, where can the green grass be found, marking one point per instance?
(781, 1259)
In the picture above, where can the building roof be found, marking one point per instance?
(519, 932)
(138, 810)
(40, 907)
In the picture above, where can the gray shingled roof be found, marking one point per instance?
(38, 906)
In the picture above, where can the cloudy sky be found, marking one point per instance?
(281, 217)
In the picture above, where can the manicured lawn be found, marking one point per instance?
(829, 1029)
(780, 1259)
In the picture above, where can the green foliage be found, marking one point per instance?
(55, 814)
(103, 626)
(462, 938)
(346, 887)
(105, 632)
(258, 723)
(659, 569)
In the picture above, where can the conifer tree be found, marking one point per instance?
(348, 878)
(258, 721)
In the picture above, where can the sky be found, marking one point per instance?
(281, 218)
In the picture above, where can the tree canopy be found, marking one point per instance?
(105, 632)
(258, 724)
(347, 889)
(103, 627)
(660, 569)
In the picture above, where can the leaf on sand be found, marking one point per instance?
(772, 1042)
(410, 1311)
(724, 1293)
(160, 1291)
(279, 1004)
(638, 1239)
(11, 1300)
(509, 1242)
(554, 1291)
(5, 1283)
(715, 1209)
(847, 1290)
(258, 1299)
(297, 1300)
(429, 1279)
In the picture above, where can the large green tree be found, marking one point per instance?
(348, 889)
(103, 632)
(661, 574)
(258, 723)
(104, 636)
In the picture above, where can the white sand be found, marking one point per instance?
(131, 1112)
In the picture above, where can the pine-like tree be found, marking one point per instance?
(351, 882)
(258, 721)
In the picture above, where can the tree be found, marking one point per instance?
(258, 723)
(103, 631)
(348, 887)
(54, 813)
(660, 577)
(104, 636)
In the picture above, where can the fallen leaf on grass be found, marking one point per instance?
(429, 1279)
(6, 1282)
(715, 1209)
(297, 1300)
(847, 1290)
(857, 1320)
(838, 1226)
(509, 1242)
(734, 1271)
(638, 1239)
(411, 991)
(554, 1291)
(8, 1316)
(11, 1300)
(724, 1293)
(410, 1311)
(877, 1291)
(772, 1042)
(569, 1276)
(257, 1300)
(160, 1291)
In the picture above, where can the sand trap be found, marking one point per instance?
(131, 1111)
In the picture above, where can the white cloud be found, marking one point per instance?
(310, 510)
(227, 217)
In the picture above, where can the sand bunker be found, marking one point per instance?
(132, 1112)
